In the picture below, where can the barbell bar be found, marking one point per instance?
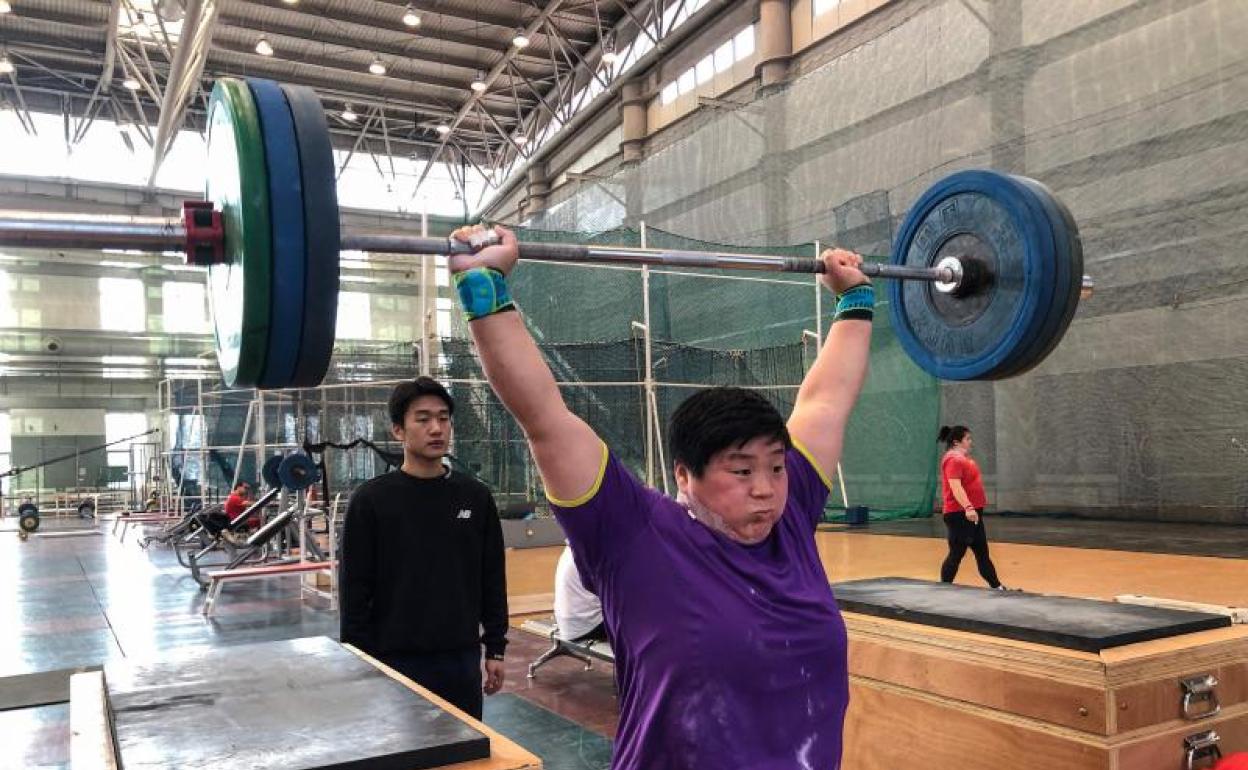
(21, 229)
(988, 267)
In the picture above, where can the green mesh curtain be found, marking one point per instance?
(752, 330)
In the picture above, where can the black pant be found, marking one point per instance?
(215, 522)
(963, 535)
(454, 676)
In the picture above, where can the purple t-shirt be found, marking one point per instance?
(726, 655)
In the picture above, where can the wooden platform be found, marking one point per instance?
(942, 699)
(306, 703)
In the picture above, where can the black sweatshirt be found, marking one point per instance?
(422, 567)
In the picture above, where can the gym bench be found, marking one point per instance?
(217, 579)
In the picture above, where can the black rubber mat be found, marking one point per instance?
(303, 703)
(42, 689)
(1057, 621)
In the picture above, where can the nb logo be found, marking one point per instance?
(464, 514)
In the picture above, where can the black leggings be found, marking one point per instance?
(963, 535)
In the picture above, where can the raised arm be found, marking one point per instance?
(831, 387)
(567, 451)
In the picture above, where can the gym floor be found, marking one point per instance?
(80, 601)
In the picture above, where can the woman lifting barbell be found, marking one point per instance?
(730, 650)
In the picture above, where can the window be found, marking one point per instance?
(7, 315)
(123, 307)
(184, 308)
(6, 445)
(743, 43)
(124, 425)
(444, 320)
(705, 70)
(724, 57)
(670, 92)
(823, 6)
(686, 81)
(354, 321)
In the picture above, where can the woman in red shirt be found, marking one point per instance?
(964, 501)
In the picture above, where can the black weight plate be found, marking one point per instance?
(298, 472)
(281, 154)
(1069, 280)
(987, 216)
(268, 471)
(320, 214)
(28, 522)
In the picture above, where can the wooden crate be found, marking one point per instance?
(943, 700)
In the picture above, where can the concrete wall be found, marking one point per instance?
(1135, 113)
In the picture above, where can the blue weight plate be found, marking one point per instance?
(268, 471)
(1069, 283)
(320, 213)
(298, 472)
(281, 151)
(990, 217)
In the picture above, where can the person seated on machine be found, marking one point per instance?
(217, 522)
(238, 501)
(578, 612)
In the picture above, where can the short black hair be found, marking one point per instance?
(406, 392)
(715, 419)
(950, 434)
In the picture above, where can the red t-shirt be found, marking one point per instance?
(236, 504)
(958, 465)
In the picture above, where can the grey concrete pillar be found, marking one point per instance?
(538, 191)
(775, 41)
(633, 119)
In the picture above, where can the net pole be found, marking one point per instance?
(648, 357)
(425, 317)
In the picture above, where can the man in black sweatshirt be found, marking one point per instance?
(422, 577)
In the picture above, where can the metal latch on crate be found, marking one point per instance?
(1200, 746)
(1200, 689)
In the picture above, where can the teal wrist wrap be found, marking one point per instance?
(482, 291)
(856, 304)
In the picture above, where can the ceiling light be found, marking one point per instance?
(608, 50)
(170, 11)
(348, 114)
(520, 139)
(290, 2)
(6, 64)
(478, 83)
(444, 129)
(5, 7)
(410, 17)
(378, 67)
(263, 48)
(521, 40)
(131, 84)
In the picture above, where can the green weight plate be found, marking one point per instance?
(239, 288)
